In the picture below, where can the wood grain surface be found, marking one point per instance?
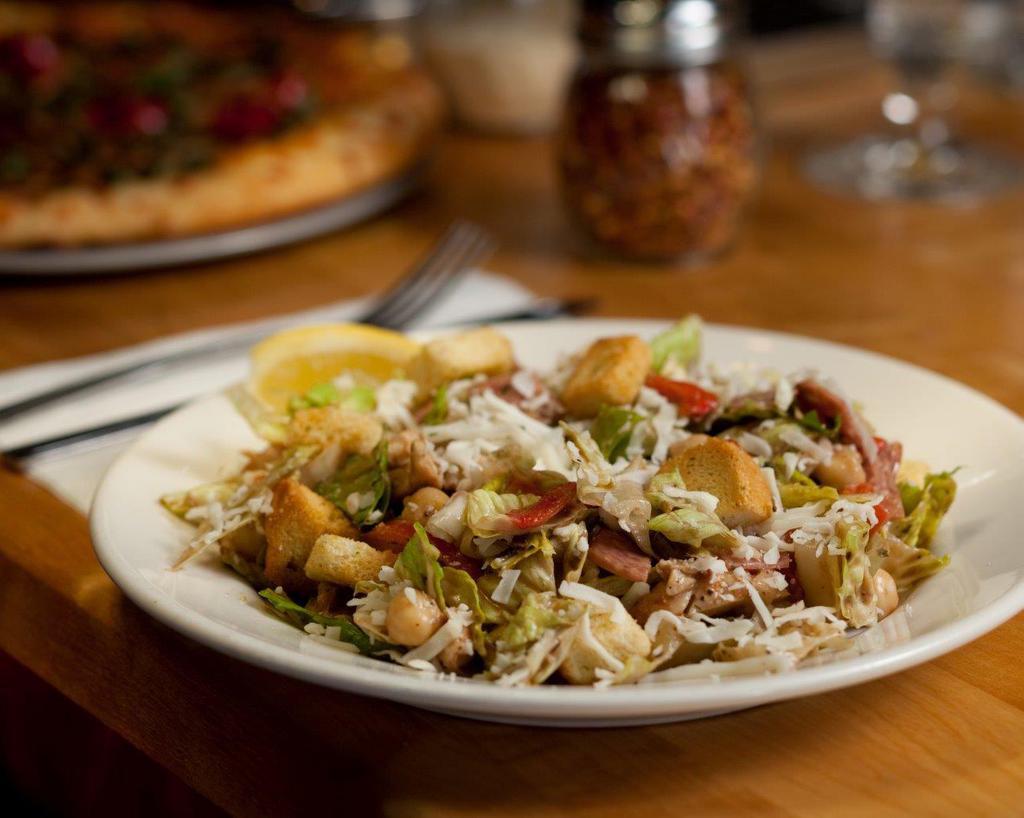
(941, 287)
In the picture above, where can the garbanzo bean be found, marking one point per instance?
(413, 617)
(888, 597)
(422, 503)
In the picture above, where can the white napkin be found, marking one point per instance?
(73, 473)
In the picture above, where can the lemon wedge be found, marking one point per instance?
(293, 361)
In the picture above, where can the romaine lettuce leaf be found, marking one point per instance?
(358, 398)
(612, 429)
(486, 511)
(181, 502)
(906, 564)
(366, 479)
(438, 407)
(460, 588)
(856, 597)
(659, 490)
(925, 509)
(297, 614)
(679, 344)
(418, 563)
(691, 526)
(538, 613)
(811, 422)
(803, 490)
(268, 424)
(535, 559)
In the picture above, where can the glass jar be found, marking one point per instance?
(658, 149)
(504, 63)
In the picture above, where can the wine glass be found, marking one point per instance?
(918, 157)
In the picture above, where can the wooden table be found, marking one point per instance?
(941, 287)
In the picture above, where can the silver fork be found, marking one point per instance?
(461, 247)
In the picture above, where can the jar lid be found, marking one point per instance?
(360, 11)
(694, 31)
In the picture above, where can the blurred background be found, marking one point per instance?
(659, 112)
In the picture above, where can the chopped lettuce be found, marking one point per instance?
(297, 614)
(486, 511)
(358, 398)
(539, 613)
(811, 422)
(438, 407)
(691, 526)
(754, 406)
(535, 560)
(660, 490)
(612, 429)
(680, 344)
(925, 508)
(461, 589)
(181, 502)
(418, 563)
(536, 640)
(573, 545)
(842, 580)
(265, 422)
(803, 490)
(360, 487)
(321, 394)
(856, 597)
(906, 564)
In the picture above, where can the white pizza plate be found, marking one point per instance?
(937, 419)
(206, 247)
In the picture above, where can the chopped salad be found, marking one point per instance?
(634, 514)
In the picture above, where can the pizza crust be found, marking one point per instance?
(346, 149)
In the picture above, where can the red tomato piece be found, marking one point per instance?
(692, 401)
(549, 504)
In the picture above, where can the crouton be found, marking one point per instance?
(345, 561)
(611, 371)
(622, 640)
(479, 351)
(354, 432)
(299, 516)
(722, 468)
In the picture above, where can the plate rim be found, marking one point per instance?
(613, 704)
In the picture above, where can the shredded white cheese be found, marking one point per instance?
(458, 620)
(773, 486)
(592, 596)
(506, 585)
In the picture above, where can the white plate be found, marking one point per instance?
(938, 420)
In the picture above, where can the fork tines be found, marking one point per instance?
(462, 246)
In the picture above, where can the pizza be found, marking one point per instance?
(126, 122)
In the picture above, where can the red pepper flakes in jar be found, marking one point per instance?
(658, 149)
